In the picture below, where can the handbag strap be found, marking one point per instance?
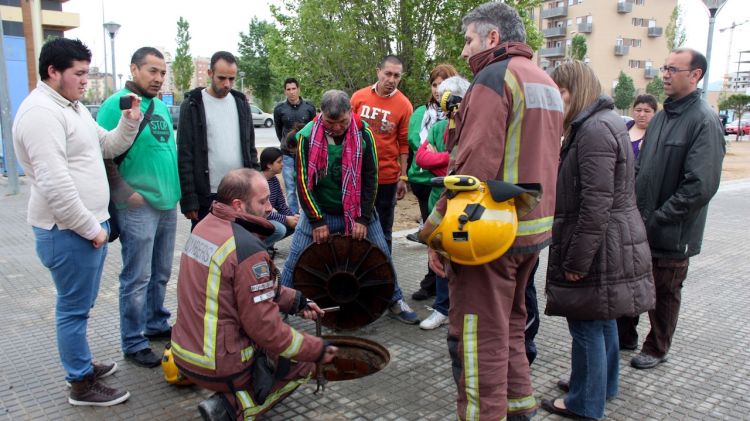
(146, 119)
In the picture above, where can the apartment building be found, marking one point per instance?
(625, 35)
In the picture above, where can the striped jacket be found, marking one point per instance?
(228, 301)
(509, 128)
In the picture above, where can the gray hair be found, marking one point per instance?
(456, 85)
(496, 16)
(335, 103)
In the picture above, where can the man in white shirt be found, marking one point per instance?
(215, 136)
(60, 148)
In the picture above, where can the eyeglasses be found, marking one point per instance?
(672, 70)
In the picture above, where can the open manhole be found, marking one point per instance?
(356, 358)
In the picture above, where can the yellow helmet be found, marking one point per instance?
(171, 372)
(481, 219)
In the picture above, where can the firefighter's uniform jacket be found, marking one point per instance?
(228, 303)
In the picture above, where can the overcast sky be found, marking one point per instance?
(215, 25)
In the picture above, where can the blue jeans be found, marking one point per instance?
(289, 174)
(76, 268)
(385, 204)
(281, 232)
(442, 300)
(147, 236)
(594, 366)
(303, 238)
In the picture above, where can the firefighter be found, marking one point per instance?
(229, 336)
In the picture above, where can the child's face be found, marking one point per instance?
(276, 166)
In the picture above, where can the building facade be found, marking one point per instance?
(200, 72)
(625, 35)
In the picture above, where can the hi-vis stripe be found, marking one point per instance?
(293, 349)
(513, 135)
(250, 409)
(471, 366)
(521, 404)
(211, 317)
(534, 226)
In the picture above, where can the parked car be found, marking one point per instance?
(626, 119)
(93, 109)
(734, 127)
(260, 117)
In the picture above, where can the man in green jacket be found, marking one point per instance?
(146, 188)
(677, 173)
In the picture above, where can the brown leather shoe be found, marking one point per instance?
(549, 406)
(91, 392)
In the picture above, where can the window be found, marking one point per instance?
(651, 23)
(579, 20)
(570, 22)
(589, 19)
(636, 64)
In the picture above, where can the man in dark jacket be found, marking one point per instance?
(216, 135)
(677, 173)
(508, 128)
(287, 114)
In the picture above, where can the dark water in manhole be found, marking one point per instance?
(356, 358)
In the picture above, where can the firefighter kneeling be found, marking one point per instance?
(229, 336)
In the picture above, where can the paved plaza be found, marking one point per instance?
(707, 376)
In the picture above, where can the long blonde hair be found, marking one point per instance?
(582, 85)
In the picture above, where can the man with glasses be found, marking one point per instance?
(677, 173)
(337, 179)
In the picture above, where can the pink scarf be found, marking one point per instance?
(351, 166)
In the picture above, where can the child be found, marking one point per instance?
(282, 218)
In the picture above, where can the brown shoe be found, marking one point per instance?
(101, 370)
(91, 392)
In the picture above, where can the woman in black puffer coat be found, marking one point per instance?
(599, 261)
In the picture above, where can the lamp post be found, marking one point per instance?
(713, 6)
(112, 29)
(242, 81)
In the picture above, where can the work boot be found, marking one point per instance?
(422, 294)
(144, 358)
(215, 408)
(91, 392)
(101, 370)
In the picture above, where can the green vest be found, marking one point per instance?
(150, 167)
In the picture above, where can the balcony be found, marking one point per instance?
(624, 7)
(585, 27)
(555, 32)
(650, 72)
(655, 31)
(553, 52)
(622, 50)
(555, 12)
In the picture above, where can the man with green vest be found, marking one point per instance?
(145, 188)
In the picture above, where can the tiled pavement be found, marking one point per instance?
(707, 376)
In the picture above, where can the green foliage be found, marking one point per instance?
(739, 104)
(578, 47)
(182, 66)
(675, 32)
(254, 60)
(624, 94)
(656, 88)
(336, 44)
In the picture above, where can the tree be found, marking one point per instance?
(337, 43)
(182, 66)
(656, 88)
(578, 47)
(624, 93)
(739, 103)
(675, 31)
(255, 62)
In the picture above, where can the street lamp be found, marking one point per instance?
(242, 81)
(713, 7)
(112, 29)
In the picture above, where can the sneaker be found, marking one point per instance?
(101, 370)
(422, 294)
(166, 334)
(403, 313)
(435, 320)
(144, 358)
(91, 392)
(643, 361)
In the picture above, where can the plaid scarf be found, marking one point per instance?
(351, 165)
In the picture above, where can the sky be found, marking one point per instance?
(215, 25)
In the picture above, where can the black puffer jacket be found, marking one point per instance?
(597, 231)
